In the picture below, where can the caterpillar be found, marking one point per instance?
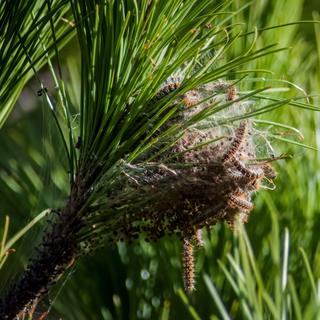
(198, 238)
(251, 175)
(269, 172)
(164, 91)
(240, 203)
(188, 266)
(241, 133)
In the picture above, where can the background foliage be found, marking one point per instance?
(270, 270)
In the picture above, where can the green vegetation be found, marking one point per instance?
(266, 269)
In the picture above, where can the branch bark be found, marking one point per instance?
(53, 256)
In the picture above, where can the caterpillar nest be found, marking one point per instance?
(207, 176)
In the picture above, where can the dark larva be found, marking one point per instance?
(241, 133)
(170, 87)
(251, 175)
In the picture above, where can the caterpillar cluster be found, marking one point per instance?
(187, 188)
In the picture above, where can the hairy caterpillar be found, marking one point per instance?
(240, 203)
(251, 175)
(269, 172)
(167, 89)
(241, 133)
(198, 238)
(188, 266)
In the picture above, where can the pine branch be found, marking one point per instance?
(161, 151)
(57, 250)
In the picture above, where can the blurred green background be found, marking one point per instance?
(269, 270)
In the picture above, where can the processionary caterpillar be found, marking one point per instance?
(241, 133)
(164, 91)
(240, 203)
(188, 266)
(251, 175)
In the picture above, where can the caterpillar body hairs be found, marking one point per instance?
(198, 238)
(241, 133)
(251, 175)
(269, 172)
(240, 203)
(167, 89)
(188, 265)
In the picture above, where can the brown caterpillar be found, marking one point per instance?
(164, 91)
(240, 203)
(241, 133)
(188, 266)
(251, 175)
